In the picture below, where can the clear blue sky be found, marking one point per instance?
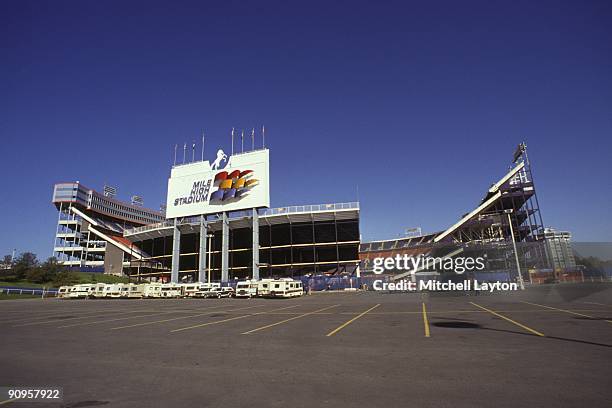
(420, 104)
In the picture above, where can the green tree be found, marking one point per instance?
(36, 275)
(51, 268)
(7, 260)
(22, 265)
(65, 278)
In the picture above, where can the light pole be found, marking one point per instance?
(518, 266)
(209, 236)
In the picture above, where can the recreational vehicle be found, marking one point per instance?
(63, 291)
(152, 290)
(263, 287)
(171, 290)
(82, 291)
(113, 290)
(132, 291)
(99, 290)
(286, 288)
(246, 289)
(190, 289)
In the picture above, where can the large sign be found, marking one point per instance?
(228, 184)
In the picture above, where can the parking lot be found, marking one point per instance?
(550, 345)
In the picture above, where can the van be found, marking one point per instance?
(246, 289)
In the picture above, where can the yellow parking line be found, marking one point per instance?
(537, 333)
(343, 325)
(288, 320)
(227, 320)
(8, 400)
(185, 317)
(425, 321)
(566, 311)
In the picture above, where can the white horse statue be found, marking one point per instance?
(221, 156)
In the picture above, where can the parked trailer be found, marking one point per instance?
(286, 288)
(152, 290)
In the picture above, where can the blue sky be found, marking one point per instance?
(419, 104)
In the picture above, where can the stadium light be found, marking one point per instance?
(518, 265)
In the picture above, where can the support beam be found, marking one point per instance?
(225, 249)
(255, 244)
(176, 252)
(202, 258)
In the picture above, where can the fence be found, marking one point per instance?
(28, 291)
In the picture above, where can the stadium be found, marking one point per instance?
(218, 225)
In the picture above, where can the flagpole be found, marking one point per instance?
(175, 147)
(263, 135)
(232, 141)
(202, 146)
(184, 152)
(242, 141)
(253, 139)
(193, 151)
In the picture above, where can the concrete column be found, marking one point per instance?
(255, 244)
(225, 249)
(202, 277)
(176, 252)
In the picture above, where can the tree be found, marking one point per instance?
(36, 275)
(7, 260)
(51, 268)
(27, 258)
(24, 262)
(65, 278)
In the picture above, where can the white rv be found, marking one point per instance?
(152, 290)
(286, 288)
(263, 287)
(113, 290)
(82, 291)
(132, 291)
(99, 290)
(190, 289)
(63, 291)
(246, 289)
(171, 290)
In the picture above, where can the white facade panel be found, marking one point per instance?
(236, 183)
